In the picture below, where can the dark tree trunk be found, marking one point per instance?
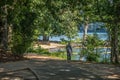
(114, 45)
(45, 39)
(3, 35)
(5, 31)
(0, 32)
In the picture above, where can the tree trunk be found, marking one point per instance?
(45, 39)
(5, 31)
(1, 25)
(84, 36)
(114, 45)
(85, 31)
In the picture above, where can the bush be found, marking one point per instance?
(89, 49)
(93, 57)
(63, 41)
(59, 54)
(38, 50)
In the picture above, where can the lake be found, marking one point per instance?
(102, 36)
(77, 55)
(104, 52)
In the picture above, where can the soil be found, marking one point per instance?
(49, 45)
(49, 68)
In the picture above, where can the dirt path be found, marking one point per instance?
(49, 46)
(54, 69)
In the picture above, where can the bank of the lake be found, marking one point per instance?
(57, 49)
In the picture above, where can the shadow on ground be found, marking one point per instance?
(46, 69)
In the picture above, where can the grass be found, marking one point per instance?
(40, 51)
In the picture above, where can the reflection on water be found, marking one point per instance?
(103, 52)
(77, 55)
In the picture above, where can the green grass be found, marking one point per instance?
(40, 51)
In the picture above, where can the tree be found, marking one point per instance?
(17, 17)
(69, 24)
(55, 18)
(108, 11)
(46, 16)
(4, 27)
(23, 28)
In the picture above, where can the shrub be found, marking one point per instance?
(93, 57)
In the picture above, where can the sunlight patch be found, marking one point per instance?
(113, 76)
(52, 74)
(92, 76)
(84, 79)
(72, 78)
(10, 73)
(5, 78)
(11, 78)
(1, 69)
(67, 70)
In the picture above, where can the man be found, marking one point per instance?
(69, 51)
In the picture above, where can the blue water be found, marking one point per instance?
(77, 51)
(77, 55)
(102, 36)
(103, 52)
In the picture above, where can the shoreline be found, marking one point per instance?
(57, 45)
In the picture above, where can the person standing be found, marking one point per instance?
(69, 51)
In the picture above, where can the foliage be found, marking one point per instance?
(90, 48)
(55, 18)
(93, 57)
(19, 20)
(29, 18)
(108, 12)
(63, 41)
(38, 50)
(59, 54)
(46, 17)
(22, 28)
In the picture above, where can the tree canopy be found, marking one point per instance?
(22, 21)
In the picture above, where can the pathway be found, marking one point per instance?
(53, 69)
